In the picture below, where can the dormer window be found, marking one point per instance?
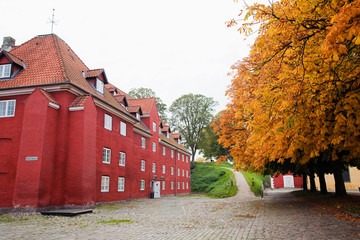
(167, 134)
(138, 116)
(5, 70)
(99, 86)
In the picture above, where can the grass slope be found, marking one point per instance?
(213, 180)
(258, 180)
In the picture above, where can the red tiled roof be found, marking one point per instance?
(145, 103)
(134, 109)
(166, 128)
(176, 135)
(49, 96)
(79, 101)
(15, 59)
(93, 73)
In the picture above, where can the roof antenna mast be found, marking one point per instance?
(52, 21)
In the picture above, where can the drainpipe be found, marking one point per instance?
(175, 172)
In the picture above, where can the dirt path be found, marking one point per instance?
(244, 191)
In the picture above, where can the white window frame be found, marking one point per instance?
(99, 86)
(178, 172)
(105, 183)
(142, 167)
(187, 159)
(183, 157)
(8, 109)
(183, 173)
(172, 153)
(122, 128)
(137, 116)
(108, 122)
(178, 185)
(172, 185)
(121, 184)
(5, 70)
(178, 156)
(142, 185)
(172, 170)
(187, 173)
(122, 158)
(164, 151)
(163, 185)
(183, 185)
(187, 185)
(106, 156)
(143, 142)
(154, 126)
(154, 147)
(163, 168)
(153, 169)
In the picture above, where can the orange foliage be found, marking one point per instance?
(297, 94)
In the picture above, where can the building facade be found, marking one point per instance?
(69, 137)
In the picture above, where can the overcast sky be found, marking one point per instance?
(173, 47)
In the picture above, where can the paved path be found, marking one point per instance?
(278, 216)
(244, 191)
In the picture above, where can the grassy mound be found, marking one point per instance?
(213, 180)
(258, 180)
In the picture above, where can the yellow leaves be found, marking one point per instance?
(357, 40)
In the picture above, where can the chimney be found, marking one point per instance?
(8, 44)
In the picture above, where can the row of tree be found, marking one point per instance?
(295, 100)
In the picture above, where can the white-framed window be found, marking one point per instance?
(183, 173)
(99, 86)
(143, 142)
(154, 126)
(187, 185)
(153, 167)
(172, 170)
(187, 159)
(182, 157)
(183, 185)
(179, 172)
(187, 173)
(121, 184)
(154, 146)
(164, 151)
(138, 116)
(7, 108)
(163, 169)
(167, 134)
(178, 156)
(172, 185)
(142, 184)
(142, 165)
(172, 153)
(178, 185)
(108, 122)
(5, 70)
(163, 185)
(122, 157)
(105, 180)
(106, 155)
(123, 128)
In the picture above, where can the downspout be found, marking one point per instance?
(175, 172)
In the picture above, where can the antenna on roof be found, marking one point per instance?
(52, 21)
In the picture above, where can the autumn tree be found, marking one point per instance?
(148, 93)
(189, 115)
(298, 90)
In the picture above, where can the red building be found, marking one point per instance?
(69, 137)
(286, 181)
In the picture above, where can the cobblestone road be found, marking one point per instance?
(277, 216)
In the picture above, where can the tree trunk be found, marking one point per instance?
(305, 182)
(340, 189)
(323, 188)
(312, 181)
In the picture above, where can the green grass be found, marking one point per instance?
(258, 180)
(213, 180)
(115, 221)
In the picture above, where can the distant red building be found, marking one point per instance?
(69, 137)
(286, 181)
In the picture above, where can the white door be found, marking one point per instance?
(288, 181)
(156, 187)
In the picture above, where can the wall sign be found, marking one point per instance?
(31, 158)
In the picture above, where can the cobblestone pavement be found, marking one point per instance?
(278, 216)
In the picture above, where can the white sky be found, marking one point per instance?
(172, 47)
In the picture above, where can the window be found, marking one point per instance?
(108, 122)
(154, 146)
(154, 167)
(182, 157)
(121, 184)
(167, 134)
(172, 185)
(163, 185)
(142, 184)
(105, 183)
(123, 128)
(106, 155)
(187, 173)
(187, 185)
(143, 165)
(99, 86)
(164, 168)
(187, 159)
(154, 126)
(183, 173)
(138, 116)
(5, 70)
(172, 170)
(183, 186)
(122, 157)
(178, 156)
(178, 185)
(178, 171)
(172, 153)
(164, 153)
(143, 142)
(7, 108)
